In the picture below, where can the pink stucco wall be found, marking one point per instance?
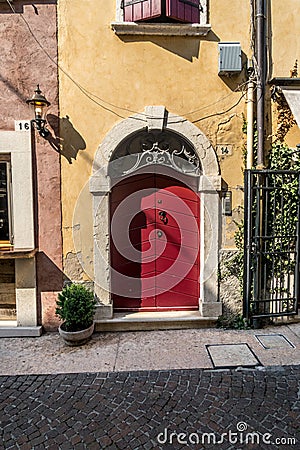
(23, 65)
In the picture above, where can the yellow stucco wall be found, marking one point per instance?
(284, 41)
(284, 47)
(111, 77)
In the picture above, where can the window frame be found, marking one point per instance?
(18, 145)
(120, 27)
(6, 159)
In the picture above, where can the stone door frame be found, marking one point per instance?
(158, 118)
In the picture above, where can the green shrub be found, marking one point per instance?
(76, 307)
(236, 322)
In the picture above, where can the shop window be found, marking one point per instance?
(5, 202)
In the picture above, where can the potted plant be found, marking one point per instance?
(76, 308)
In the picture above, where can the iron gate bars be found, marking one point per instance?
(271, 243)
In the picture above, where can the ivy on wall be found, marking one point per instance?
(283, 213)
(282, 157)
(281, 217)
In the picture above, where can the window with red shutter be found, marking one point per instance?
(187, 11)
(136, 10)
(184, 10)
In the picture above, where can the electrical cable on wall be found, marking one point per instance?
(221, 113)
(94, 98)
(81, 88)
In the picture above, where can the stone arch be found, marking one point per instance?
(158, 118)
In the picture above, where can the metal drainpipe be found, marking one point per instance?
(260, 96)
(250, 97)
(260, 118)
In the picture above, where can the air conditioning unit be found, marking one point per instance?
(230, 58)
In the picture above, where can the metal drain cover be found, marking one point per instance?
(232, 355)
(269, 341)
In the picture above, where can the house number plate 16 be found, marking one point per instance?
(22, 125)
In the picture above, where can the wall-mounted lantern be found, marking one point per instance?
(40, 104)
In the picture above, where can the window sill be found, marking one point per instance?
(160, 29)
(17, 253)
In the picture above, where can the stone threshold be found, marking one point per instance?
(9, 328)
(141, 321)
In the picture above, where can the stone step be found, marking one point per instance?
(9, 328)
(169, 320)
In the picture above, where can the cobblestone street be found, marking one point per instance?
(169, 409)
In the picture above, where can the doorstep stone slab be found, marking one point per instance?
(12, 331)
(232, 355)
(269, 341)
(145, 321)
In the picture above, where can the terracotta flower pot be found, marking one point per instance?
(74, 338)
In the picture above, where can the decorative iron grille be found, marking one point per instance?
(145, 149)
(271, 269)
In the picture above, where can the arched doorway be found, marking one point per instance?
(155, 218)
(121, 156)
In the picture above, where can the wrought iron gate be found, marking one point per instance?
(272, 244)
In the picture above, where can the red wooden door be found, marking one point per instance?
(154, 244)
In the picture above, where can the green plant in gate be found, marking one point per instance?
(281, 215)
(281, 225)
(76, 307)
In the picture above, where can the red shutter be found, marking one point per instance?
(135, 10)
(184, 10)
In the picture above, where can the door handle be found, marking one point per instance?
(163, 217)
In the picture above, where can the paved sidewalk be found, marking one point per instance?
(147, 350)
(151, 390)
